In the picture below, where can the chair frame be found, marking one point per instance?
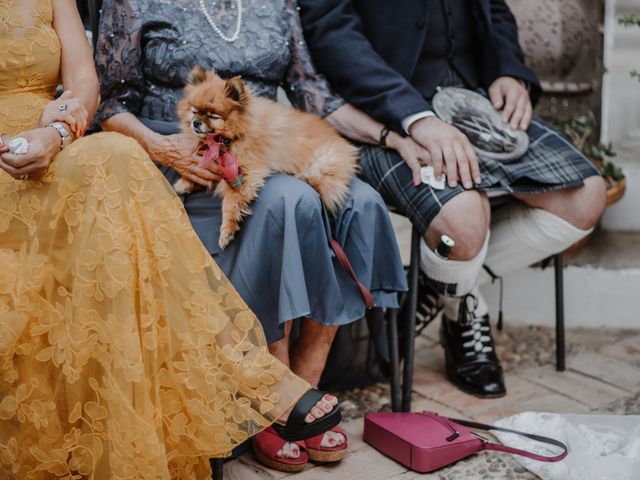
(401, 392)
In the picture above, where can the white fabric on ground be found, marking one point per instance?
(601, 447)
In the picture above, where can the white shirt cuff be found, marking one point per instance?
(411, 119)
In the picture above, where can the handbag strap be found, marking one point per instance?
(503, 448)
(346, 265)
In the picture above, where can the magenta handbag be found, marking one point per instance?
(425, 441)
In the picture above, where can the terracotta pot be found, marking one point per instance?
(616, 191)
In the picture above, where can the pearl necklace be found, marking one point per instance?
(215, 27)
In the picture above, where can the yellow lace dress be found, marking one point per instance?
(124, 352)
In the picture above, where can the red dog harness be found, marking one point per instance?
(217, 149)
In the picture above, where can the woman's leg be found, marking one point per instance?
(311, 350)
(280, 348)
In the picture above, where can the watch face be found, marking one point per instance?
(61, 128)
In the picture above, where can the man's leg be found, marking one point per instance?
(471, 362)
(463, 216)
(543, 225)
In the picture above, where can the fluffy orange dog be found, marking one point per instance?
(265, 137)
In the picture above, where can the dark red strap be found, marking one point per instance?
(344, 263)
(524, 453)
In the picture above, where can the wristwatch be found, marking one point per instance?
(65, 135)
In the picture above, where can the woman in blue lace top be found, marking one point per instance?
(280, 262)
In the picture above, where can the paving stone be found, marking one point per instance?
(354, 430)
(588, 391)
(624, 406)
(608, 369)
(365, 464)
(551, 402)
(425, 404)
(627, 349)
(248, 468)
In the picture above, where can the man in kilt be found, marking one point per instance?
(388, 58)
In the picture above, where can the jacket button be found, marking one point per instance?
(420, 24)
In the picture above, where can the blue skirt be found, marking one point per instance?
(281, 262)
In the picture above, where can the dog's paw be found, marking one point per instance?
(182, 186)
(225, 239)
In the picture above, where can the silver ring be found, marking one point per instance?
(63, 107)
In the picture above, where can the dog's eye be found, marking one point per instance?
(213, 116)
(194, 111)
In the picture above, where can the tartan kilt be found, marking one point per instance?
(552, 162)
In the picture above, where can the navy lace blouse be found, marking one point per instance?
(146, 48)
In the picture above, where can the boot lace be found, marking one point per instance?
(478, 333)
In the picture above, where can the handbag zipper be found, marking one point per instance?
(436, 417)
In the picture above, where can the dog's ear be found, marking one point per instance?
(235, 90)
(197, 75)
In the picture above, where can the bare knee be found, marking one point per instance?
(587, 203)
(465, 219)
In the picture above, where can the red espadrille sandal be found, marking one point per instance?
(266, 445)
(321, 454)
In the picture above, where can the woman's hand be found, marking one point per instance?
(179, 152)
(44, 144)
(411, 152)
(68, 109)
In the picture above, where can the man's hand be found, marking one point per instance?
(508, 94)
(449, 149)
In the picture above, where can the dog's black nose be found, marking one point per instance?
(196, 124)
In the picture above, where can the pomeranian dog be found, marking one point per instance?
(263, 137)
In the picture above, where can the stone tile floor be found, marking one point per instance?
(603, 375)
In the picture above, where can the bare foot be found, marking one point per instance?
(332, 439)
(289, 450)
(322, 407)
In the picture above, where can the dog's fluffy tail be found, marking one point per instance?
(331, 172)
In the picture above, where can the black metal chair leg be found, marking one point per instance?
(410, 322)
(558, 262)
(94, 20)
(217, 466)
(394, 358)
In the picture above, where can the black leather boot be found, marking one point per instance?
(471, 361)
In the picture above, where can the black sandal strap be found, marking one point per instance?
(300, 410)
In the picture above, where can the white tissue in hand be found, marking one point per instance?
(428, 176)
(18, 146)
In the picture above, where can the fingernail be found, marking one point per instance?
(478, 180)
(453, 184)
(467, 185)
(416, 183)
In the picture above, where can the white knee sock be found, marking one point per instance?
(522, 235)
(452, 278)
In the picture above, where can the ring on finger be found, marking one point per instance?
(63, 107)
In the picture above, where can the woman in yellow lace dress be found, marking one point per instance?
(124, 352)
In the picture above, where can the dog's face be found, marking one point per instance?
(213, 105)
